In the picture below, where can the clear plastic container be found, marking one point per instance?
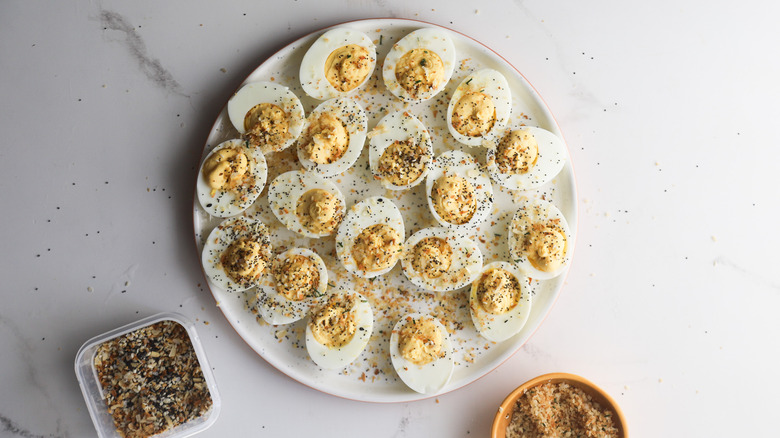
(92, 390)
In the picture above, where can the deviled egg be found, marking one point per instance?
(526, 158)
(459, 192)
(269, 116)
(370, 239)
(419, 65)
(439, 259)
(499, 301)
(237, 254)
(339, 330)
(400, 151)
(231, 178)
(340, 61)
(306, 203)
(421, 353)
(479, 107)
(333, 136)
(298, 281)
(540, 242)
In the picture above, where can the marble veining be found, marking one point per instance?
(589, 102)
(536, 353)
(402, 425)
(721, 260)
(24, 351)
(151, 67)
(95, 94)
(25, 354)
(7, 425)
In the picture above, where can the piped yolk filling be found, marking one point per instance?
(226, 169)
(334, 325)
(419, 71)
(296, 277)
(376, 247)
(420, 341)
(517, 153)
(347, 67)
(326, 139)
(454, 199)
(432, 257)
(243, 260)
(498, 291)
(474, 115)
(319, 211)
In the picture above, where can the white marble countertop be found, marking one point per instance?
(669, 111)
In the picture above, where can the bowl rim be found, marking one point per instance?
(505, 410)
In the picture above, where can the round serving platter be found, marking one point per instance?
(371, 377)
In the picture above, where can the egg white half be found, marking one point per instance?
(368, 212)
(491, 83)
(464, 268)
(276, 308)
(336, 358)
(459, 163)
(398, 126)
(536, 211)
(255, 93)
(226, 203)
(499, 328)
(354, 119)
(312, 72)
(425, 379)
(286, 190)
(550, 162)
(220, 238)
(435, 40)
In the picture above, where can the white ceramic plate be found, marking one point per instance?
(371, 377)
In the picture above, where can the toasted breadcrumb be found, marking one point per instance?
(559, 410)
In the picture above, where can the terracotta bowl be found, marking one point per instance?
(504, 414)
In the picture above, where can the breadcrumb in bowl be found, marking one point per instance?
(504, 416)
